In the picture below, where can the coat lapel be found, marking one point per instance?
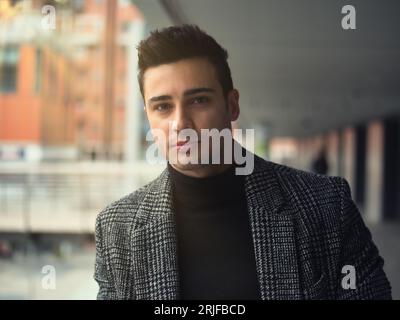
(154, 245)
(272, 224)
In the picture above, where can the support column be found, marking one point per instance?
(360, 164)
(134, 102)
(348, 157)
(391, 184)
(332, 153)
(374, 176)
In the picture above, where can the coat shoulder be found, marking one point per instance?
(313, 196)
(296, 181)
(124, 210)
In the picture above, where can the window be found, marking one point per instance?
(9, 57)
(38, 69)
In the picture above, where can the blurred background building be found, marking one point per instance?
(72, 129)
(46, 113)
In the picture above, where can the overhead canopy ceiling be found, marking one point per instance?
(297, 70)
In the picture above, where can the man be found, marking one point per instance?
(201, 231)
(320, 163)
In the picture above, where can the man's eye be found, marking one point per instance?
(199, 100)
(162, 107)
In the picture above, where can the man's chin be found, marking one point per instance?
(186, 167)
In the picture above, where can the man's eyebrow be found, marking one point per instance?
(160, 98)
(197, 90)
(185, 94)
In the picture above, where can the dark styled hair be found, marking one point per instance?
(175, 43)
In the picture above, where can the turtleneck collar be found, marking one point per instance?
(214, 191)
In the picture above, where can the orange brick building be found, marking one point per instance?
(52, 85)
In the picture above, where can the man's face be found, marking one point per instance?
(189, 93)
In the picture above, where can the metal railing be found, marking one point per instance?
(64, 197)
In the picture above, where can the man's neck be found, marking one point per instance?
(203, 171)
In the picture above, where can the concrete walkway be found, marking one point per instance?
(21, 277)
(387, 238)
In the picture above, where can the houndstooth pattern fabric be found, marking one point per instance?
(305, 228)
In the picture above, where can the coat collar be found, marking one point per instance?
(271, 219)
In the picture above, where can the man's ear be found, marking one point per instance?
(233, 104)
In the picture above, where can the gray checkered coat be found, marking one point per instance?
(305, 229)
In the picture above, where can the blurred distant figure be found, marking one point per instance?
(320, 164)
(21, 153)
(93, 155)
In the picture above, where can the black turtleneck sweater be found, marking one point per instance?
(215, 245)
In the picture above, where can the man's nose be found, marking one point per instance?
(182, 119)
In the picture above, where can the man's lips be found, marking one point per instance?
(180, 144)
